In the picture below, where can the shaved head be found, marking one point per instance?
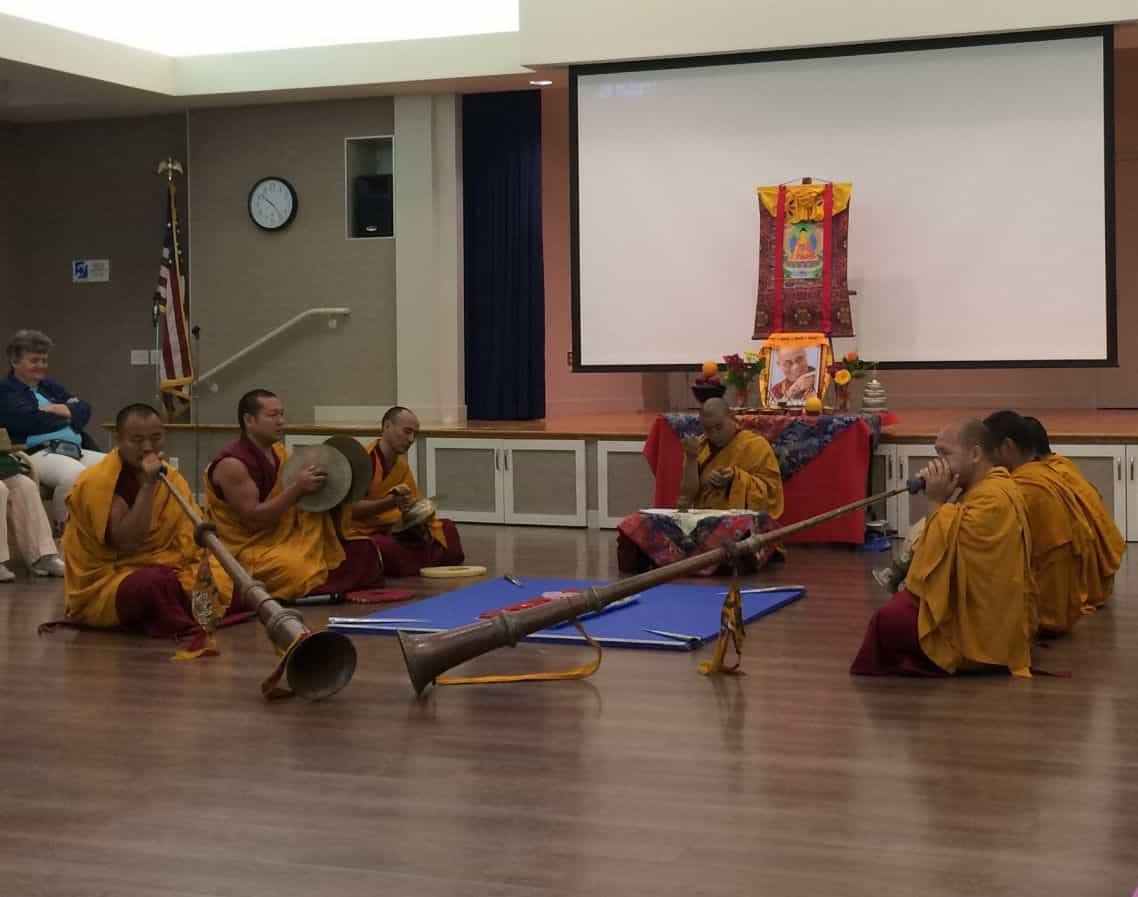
(969, 449)
(974, 433)
(715, 407)
(793, 362)
(719, 424)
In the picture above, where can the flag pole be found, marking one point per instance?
(168, 166)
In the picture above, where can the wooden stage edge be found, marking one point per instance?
(915, 425)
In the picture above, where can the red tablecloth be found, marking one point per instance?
(836, 476)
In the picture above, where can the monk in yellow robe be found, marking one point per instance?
(727, 468)
(970, 597)
(393, 491)
(1061, 537)
(292, 551)
(1107, 545)
(130, 554)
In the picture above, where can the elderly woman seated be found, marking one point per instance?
(21, 508)
(47, 418)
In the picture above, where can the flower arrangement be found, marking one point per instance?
(843, 372)
(740, 373)
(853, 366)
(742, 369)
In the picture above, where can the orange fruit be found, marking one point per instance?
(710, 369)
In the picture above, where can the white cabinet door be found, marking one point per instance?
(1131, 494)
(882, 477)
(625, 483)
(1103, 466)
(544, 482)
(910, 460)
(535, 482)
(466, 475)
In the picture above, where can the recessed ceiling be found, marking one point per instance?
(204, 27)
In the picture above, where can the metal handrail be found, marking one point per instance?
(256, 344)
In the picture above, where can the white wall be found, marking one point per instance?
(472, 56)
(430, 374)
(395, 62)
(558, 32)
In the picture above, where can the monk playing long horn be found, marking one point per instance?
(727, 468)
(131, 558)
(291, 551)
(970, 599)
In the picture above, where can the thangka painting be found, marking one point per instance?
(803, 233)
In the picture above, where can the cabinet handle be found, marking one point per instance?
(497, 462)
(889, 470)
(1120, 470)
(506, 456)
(1132, 470)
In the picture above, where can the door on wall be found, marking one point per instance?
(503, 278)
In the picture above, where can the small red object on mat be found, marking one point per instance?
(379, 596)
(521, 605)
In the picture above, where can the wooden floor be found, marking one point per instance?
(123, 774)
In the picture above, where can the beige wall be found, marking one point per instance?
(6, 182)
(246, 281)
(89, 190)
(556, 32)
(1047, 387)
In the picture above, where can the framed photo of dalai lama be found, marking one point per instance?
(796, 368)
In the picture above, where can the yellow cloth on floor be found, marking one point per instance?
(757, 484)
(399, 475)
(95, 568)
(1104, 556)
(971, 571)
(291, 558)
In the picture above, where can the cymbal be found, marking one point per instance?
(360, 462)
(418, 514)
(337, 470)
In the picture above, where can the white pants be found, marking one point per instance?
(58, 472)
(21, 507)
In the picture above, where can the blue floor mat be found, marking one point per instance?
(688, 614)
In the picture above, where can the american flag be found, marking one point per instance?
(176, 369)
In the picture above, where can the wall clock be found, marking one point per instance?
(272, 203)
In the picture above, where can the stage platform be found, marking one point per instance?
(589, 470)
(915, 425)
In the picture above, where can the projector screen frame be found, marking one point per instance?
(1104, 32)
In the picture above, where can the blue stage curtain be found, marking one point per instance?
(504, 274)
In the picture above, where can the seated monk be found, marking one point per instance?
(292, 551)
(728, 468)
(969, 601)
(1061, 537)
(393, 490)
(131, 558)
(1107, 542)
